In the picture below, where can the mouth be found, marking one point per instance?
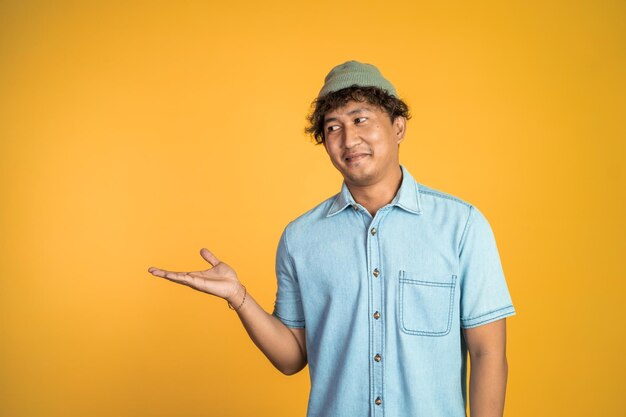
(355, 157)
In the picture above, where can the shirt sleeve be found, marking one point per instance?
(288, 305)
(484, 293)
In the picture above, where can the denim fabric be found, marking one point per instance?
(383, 300)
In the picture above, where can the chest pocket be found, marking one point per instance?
(426, 303)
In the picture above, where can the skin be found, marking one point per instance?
(365, 133)
(283, 346)
(362, 143)
(489, 368)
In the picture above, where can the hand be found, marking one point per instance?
(220, 280)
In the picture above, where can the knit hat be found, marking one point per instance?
(355, 73)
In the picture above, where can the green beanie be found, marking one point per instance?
(355, 73)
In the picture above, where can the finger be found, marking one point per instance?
(156, 271)
(209, 257)
(163, 273)
(178, 277)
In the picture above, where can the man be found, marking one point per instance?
(384, 287)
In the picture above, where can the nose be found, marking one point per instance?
(351, 136)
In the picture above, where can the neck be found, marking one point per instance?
(379, 194)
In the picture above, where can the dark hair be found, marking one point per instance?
(393, 106)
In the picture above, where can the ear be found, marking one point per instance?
(399, 128)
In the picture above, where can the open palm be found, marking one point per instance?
(220, 280)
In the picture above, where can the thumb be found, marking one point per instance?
(209, 257)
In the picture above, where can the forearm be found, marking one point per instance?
(488, 378)
(271, 336)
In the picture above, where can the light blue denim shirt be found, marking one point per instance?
(383, 300)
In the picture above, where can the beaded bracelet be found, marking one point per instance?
(245, 292)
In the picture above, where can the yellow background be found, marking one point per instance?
(135, 133)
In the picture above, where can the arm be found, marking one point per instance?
(283, 346)
(488, 368)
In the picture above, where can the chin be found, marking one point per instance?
(359, 178)
(358, 175)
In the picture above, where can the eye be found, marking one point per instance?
(332, 128)
(360, 120)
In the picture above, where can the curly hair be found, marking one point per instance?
(393, 106)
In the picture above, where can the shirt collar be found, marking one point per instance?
(407, 197)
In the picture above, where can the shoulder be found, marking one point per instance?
(310, 218)
(441, 206)
(466, 220)
(431, 194)
(468, 214)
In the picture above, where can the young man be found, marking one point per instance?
(384, 287)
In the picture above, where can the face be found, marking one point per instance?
(362, 142)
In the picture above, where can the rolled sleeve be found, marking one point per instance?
(288, 305)
(484, 293)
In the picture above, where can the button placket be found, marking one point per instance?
(376, 324)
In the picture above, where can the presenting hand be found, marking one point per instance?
(220, 280)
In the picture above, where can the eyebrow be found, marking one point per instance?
(350, 113)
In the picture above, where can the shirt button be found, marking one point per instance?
(378, 401)
(377, 315)
(376, 272)
(373, 230)
(378, 358)
(354, 206)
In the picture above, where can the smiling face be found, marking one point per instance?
(362, 142)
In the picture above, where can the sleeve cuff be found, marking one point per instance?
(488, 317)
(298, 324)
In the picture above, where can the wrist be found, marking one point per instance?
(236, 295)
(237, 300)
